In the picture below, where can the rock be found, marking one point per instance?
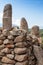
(1, 42)
(32, 57)
(38, 52)
(5, 32)
(2, 37)
(21, 58)
(0, 63)
(11, 41)
(24, 24)
(32, 62)
(10, 56)
(6, 64)
(0, 32)
(6, 41)
(19, 32)
(7, 60)
(7, 17)
(29, 50)
(5, 50)
(35, 30)
(10, 37)
(21, 44)
(20, 50)
(2, 46)
(14, 33)
(22, 63)
(35, 42)
(20, 38)
(9, 46)
(29, 38)
(2, 54)
(12, 52)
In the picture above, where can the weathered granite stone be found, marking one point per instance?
(6, 41)
(20, 58)
(22, 63)
(5, 50)
(39, 54)
(2, 46)
(20, 38)
(7, 17)
(21, 44)
(10, 56)
(10, 37)
(24, 24)
(1, 42)
(5, 32)
(20, 50)
(6, 64)
(7, 60)
(2, 37)
(35, 30)
(9, 46)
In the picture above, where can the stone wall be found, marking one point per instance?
(16, 48)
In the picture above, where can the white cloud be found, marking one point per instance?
(16, 22)
(1, 15)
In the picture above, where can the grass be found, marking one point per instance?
(41, 33)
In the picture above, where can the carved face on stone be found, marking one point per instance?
(24, 24)
(7, 17)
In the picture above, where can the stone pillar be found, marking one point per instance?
(7, 17)
(24, 24)
(35, 30)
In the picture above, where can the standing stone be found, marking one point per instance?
(35, 33)
(35, 30)
(7, 17)
(24, 24)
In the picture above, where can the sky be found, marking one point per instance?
(32, 10)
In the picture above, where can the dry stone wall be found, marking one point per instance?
(16, 48)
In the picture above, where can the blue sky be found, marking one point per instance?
(32, 10)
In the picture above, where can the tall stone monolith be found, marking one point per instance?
(23, 24)
(7, 17)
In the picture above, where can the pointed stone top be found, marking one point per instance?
(35, 30)
(7, 6)
(23, 24)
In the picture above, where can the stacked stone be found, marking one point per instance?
(16, 48)
(12, 48)
(6, 48)
(31, 56)
(21, 53)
